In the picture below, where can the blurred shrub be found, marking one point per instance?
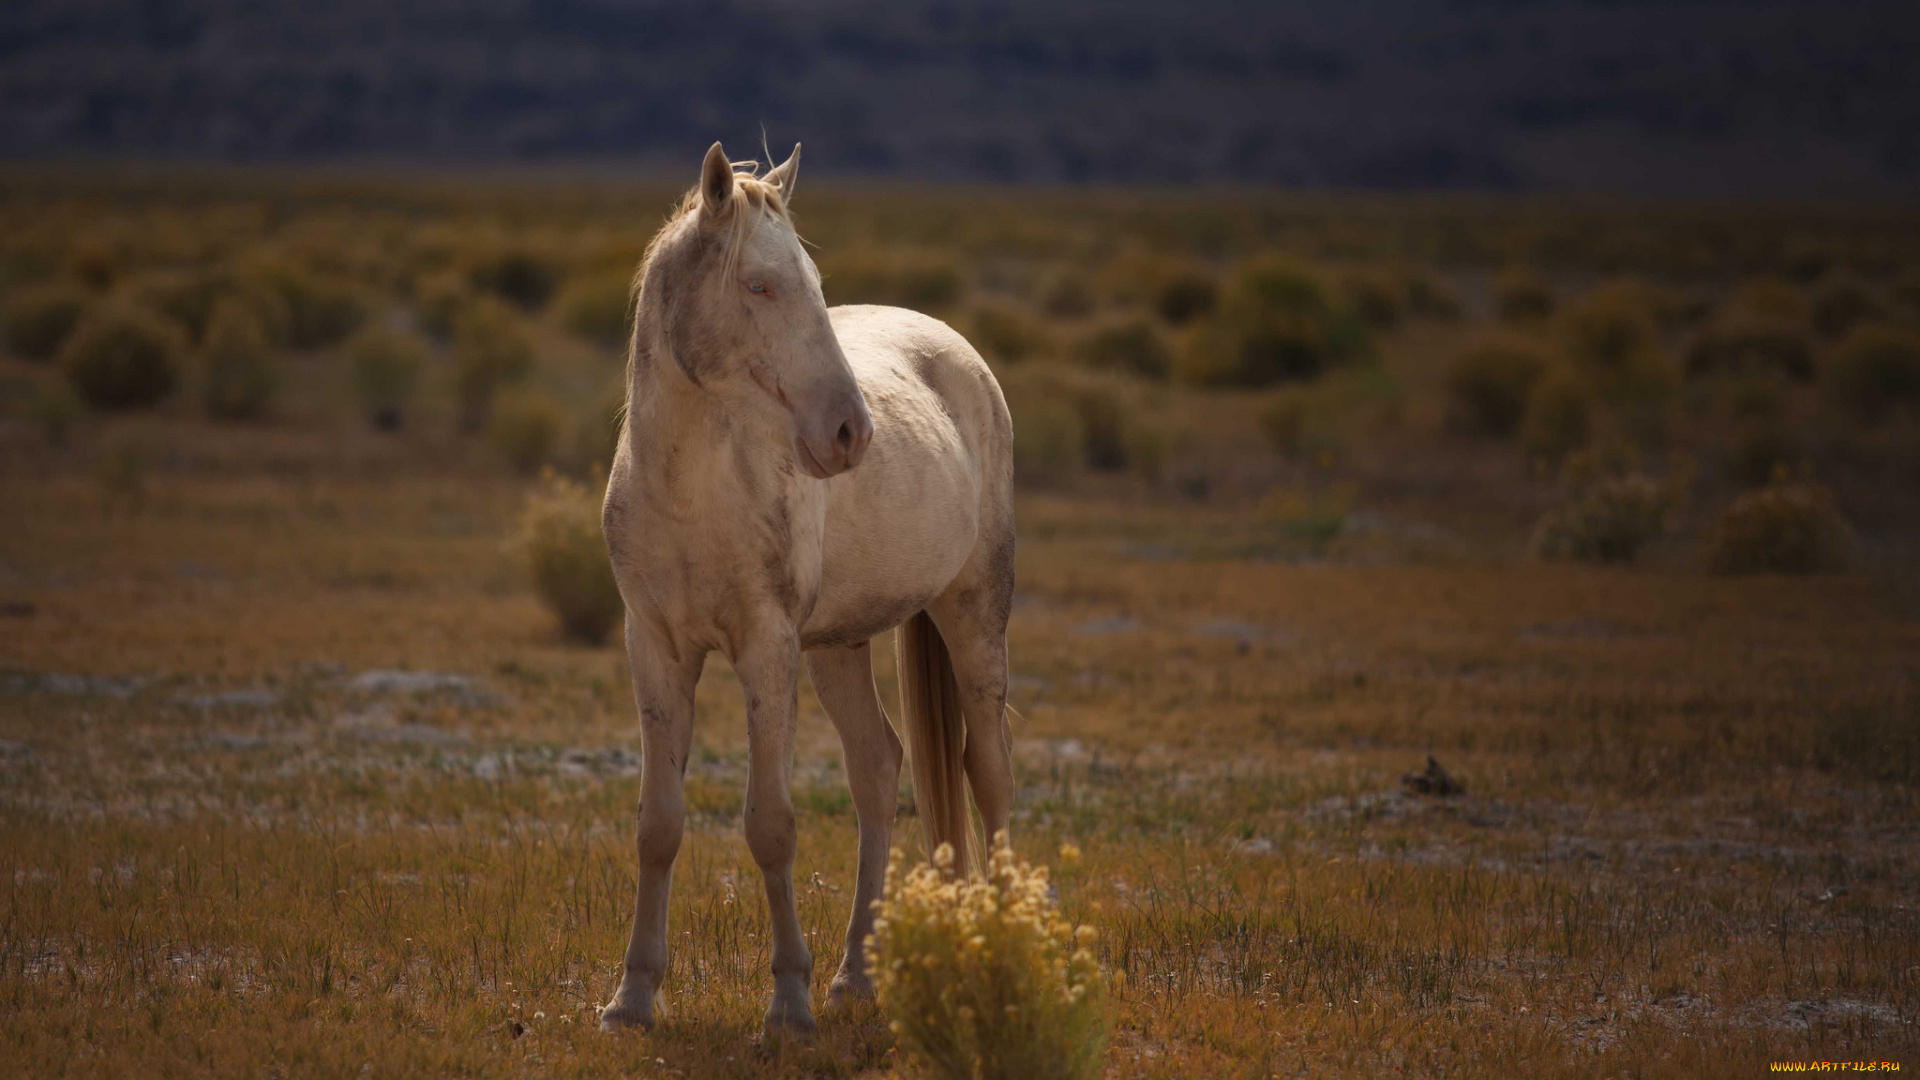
(1559, 416)
(1428, 296)
(386, 368)
(1756, 399)
(1489, 381)
(1283, 422)
(1134, 347)
(1067, 296)
(38, 320)
(1064, 421)
(1842, 303)
(1785, 528)
(1761, 452)
(596, 306)
(438, 301)
(1762, 327)
(320, 311)
(186, 298)
(525, 428)
(239, 376)
(123, 358)
(566, 555)
(1610, 520)
(1275, 323)
(981, 976)
(595, 434)
(1613, 339)
(1875, 373)
(56, 408)
(1518, 296)
(1006, 335)
(1185, 296)
(866, 276)
(490, 350)
(1373, 296)
(514, 274)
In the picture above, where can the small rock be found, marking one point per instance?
(228, 699)
(1433, 781)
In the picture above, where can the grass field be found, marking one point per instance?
(298, 777)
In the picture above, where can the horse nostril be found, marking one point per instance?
(844, 438)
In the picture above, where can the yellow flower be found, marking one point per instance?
(1069, 852)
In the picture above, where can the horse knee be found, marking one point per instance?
(661, 826)
(771, 836)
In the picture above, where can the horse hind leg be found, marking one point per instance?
(973, 621)
(843, 679)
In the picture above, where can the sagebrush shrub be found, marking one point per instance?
(1784, 528)
(514, 274)
(1520, 297)
(864, 275)
(1047, 430)
(1489, 381)
(123, 358)
(565, 553)
(524, 429)
(386, 367)
(1185, 296)
(239, 376)
(320, 310)
(1612, 520)
(1006, 336)
(1843, 303)
(1559, 416)
(1374, 297)
(1134, 347)
(490, 350)
(1875, 373)
(37, 321)
(1275, 323)
(597, 306)
(981, 978)
(1067, 296)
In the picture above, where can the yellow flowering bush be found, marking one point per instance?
(981, 976)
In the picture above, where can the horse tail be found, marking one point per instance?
(937, 742)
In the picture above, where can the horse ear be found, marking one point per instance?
(716, 180)
(787, 175)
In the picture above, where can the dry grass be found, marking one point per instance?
(1687, 843)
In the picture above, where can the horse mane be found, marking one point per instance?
(752, 198)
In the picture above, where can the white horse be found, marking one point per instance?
(737, 520)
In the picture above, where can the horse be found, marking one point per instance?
(791, 481)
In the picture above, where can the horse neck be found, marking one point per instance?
(684, 435)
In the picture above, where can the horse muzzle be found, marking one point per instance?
(836, 438)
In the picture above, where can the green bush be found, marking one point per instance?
(596, 306)
(1519, 296)
(123, 358)
(490, 350)
(1785, 528)
(1609, 521)
(1006, 336)
(1761, 328)
(386, 368)
(1133, 347)
(1875, 373)
(1185, 296)
(37, 321)
(1275, 323)
(239, 376)
(525, 428)
(564, 552)
(1428, 296)
(1613, 338)
(1559, 416)
(1489, 381)
(186, 298)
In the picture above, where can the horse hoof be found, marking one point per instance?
(789, 1020)
(616, 1018)
(846, 990)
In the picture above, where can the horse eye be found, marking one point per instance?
(759, 287)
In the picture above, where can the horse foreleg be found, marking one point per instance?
(843, 678)
(664, 692)
(769, 672)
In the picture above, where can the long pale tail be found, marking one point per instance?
(936, 741)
